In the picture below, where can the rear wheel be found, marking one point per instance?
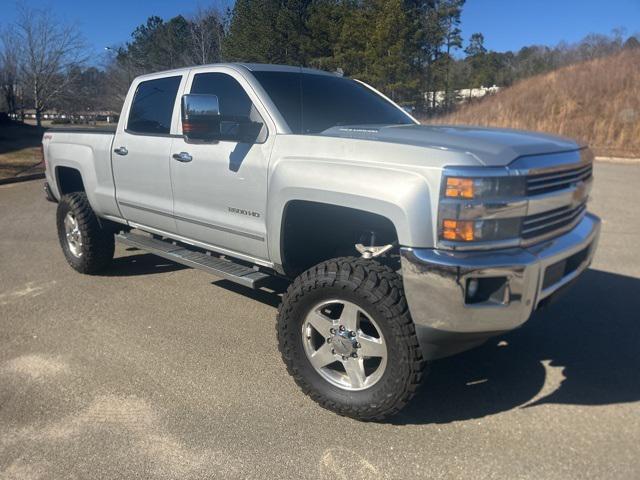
(348, 340)
(87, 246)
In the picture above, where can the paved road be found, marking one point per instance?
(155, 371)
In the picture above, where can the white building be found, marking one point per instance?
(460, 96)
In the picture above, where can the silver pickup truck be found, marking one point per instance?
(401, 243)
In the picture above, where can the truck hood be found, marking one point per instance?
(493, 147)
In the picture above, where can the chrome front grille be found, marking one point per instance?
(533, 199)
(558, 180)
(542, 224)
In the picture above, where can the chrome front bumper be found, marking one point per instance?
(436, 283)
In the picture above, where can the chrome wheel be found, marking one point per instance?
(344, 345)
(72, 232)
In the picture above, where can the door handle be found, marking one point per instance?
(121, 151)
(182, 157)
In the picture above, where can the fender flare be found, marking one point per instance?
(403, 197)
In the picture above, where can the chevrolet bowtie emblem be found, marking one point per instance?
(579, 193)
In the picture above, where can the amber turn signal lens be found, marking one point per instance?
(459, 187)
(458, 230)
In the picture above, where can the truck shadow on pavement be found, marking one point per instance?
(140, 264)
(270, 295)
(582, 350)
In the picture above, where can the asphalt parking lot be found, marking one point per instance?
(156, 371)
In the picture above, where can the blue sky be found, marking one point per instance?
(506, 24)
(512, 24)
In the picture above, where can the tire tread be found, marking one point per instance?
(98, 243)
(383, 288)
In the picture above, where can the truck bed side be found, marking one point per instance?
(87, 152)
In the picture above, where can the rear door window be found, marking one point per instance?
(152, 106)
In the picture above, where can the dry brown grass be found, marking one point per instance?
(597, 102)
(19, 150)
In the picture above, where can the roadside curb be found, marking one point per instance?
(23, 178)
(632, 161)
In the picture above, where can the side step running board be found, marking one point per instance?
(235, 272)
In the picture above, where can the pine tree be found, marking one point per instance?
(435, 33)
(158, 45)
(477, 60)
(324, 27)
(399, 46)
(291, 30)
(387, 52)
(476, 45)
(452, 11)
(252, 35)
(268, 31)
(353, 39)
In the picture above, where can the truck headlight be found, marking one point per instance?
(484, 187)
(475, 208)
(479, 230)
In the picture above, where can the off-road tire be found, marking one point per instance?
(377, 289)
(98, 243)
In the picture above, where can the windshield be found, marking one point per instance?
(312, 103)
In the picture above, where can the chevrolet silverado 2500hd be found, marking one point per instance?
(403, 243)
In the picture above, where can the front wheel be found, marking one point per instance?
(347, 338)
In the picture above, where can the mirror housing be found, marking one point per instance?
(201, 117)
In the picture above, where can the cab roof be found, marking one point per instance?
(252, 67)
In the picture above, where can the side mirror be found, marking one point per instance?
(201, 117)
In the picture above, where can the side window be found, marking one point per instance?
(152, 106)
(233, 100)
(240, 121)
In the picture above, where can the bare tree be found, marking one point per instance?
(206, 31)
(9, 65)
(119, 73)
(597, 45)
(50, 51)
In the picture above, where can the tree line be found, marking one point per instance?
(405, 48)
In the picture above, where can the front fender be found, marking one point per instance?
(401, 196)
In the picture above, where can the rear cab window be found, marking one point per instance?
(152, 106)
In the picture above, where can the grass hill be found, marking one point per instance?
(597, 102)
